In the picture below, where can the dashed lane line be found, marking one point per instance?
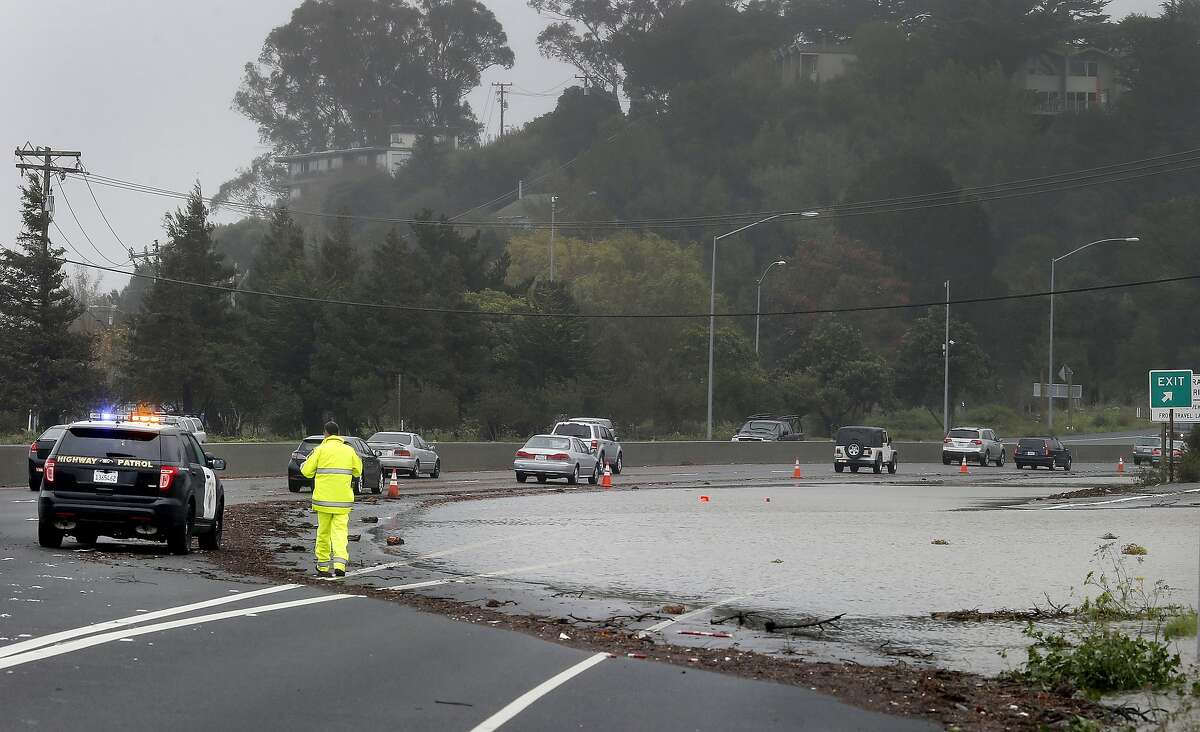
(65, 635)
(522, 702)
(96, 640)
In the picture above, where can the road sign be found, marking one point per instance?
(1057, 391)
(1170, 389)
(1065, 373)
(1185, 414)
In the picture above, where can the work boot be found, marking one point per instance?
(339, 573)
(323, 574)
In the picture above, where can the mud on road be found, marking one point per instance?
(260, 536)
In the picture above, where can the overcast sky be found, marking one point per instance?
(143, 89)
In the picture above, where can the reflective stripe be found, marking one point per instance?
(334, 504)
(339, 560)
(334, 471)
(323, 565)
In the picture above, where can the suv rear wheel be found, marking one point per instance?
(892, 465)
(48, 536)
(179, 538)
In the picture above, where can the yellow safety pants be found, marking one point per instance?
(333, 533)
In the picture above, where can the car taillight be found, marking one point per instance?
(1156, 452)
(166, 476)
(558, 456)
(947, 441)
(49, 470)
(976, 442)
(1045, 449)
(401, 453)
(595, 444)
(523, 454)
(33, 449)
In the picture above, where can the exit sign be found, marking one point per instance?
(1171, 389)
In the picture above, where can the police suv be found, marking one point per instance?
(126, 479)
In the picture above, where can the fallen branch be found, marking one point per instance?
(772, 626)
(612, 621)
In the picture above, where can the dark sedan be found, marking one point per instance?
(1045, 452)
(39, 451)
(372, 477)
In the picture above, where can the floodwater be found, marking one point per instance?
(818, 551)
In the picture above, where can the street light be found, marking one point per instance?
(712, 298)
(758, 300)
(1050, 370)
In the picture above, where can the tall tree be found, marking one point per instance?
(339, 73)
(182, 341)
(920, 364)
(46, 368)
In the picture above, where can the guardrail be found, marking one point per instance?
(266, 459)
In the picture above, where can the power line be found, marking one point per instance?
(63, 191)
(640, 316)
(96, 201)
(1115, 173)
(71, 246)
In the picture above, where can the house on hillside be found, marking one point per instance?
(1064, 79)
(303, 168)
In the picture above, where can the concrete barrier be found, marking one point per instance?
(261, 459)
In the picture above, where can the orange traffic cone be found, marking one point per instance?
(606, 481)
(796, 470)
(704, 499)
(963, 468)
(394, 487)
(1121, 465)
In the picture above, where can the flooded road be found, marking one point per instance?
(800, 550)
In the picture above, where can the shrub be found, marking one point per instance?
(1099, 660)
(1180, 626)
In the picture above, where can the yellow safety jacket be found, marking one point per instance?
(332, 466)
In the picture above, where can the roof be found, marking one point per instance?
(861, 427)
(142, 426)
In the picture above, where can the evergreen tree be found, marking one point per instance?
(184, 345)
(45, 367)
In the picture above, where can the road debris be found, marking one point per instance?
(1134, 550)
(705, 633)
(354, 537)
(674, 609)
(940, 542)
(394, 540)
(369, 519)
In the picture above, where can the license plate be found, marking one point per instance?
(105, 476)
(1031, 453)
(539, 457)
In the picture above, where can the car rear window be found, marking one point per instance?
(99, 442)
(52, 434)
(864, 437)
(1148, 441)
(308, 445)
(964, 434)
(574, 430)
(1031, 444)
(549, 443)
(391, 438)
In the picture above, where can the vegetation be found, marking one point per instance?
(704, 127)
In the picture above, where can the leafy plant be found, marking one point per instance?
(1099, 660)
(1180, 626)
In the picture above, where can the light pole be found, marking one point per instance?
(712, 299)
(553, 207)
(946, 368)
(758, 300)
(1050, 370)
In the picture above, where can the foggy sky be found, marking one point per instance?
(143, 89)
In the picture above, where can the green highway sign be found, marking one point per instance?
(1171, 389)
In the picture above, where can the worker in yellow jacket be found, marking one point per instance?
(333, 466)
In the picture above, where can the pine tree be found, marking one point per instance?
(45, 367)
(185, 348)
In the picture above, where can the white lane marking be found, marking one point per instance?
(501, 573)
(47, 640)
(27, 500)
(685, 475)
(32, 518)
(95, 640)
(444, 553)
(1126, 499)
(522, 702)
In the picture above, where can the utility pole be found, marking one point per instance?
(553, 209)
(399, 392)
(502, 92)
(47, 167)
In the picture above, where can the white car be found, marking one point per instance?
(556, 456)
(975, 444)
(406, 452)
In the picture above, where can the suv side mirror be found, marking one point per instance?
(215, 463)
(378, 453)
(432, 446)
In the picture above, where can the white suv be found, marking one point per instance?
(599, 439)
(976, 444)
(864, 447)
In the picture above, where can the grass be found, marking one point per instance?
(1134, 550)
(1181, 626)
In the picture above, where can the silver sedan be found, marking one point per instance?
(556, 456)
(406, 452)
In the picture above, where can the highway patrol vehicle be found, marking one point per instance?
(144, 479)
